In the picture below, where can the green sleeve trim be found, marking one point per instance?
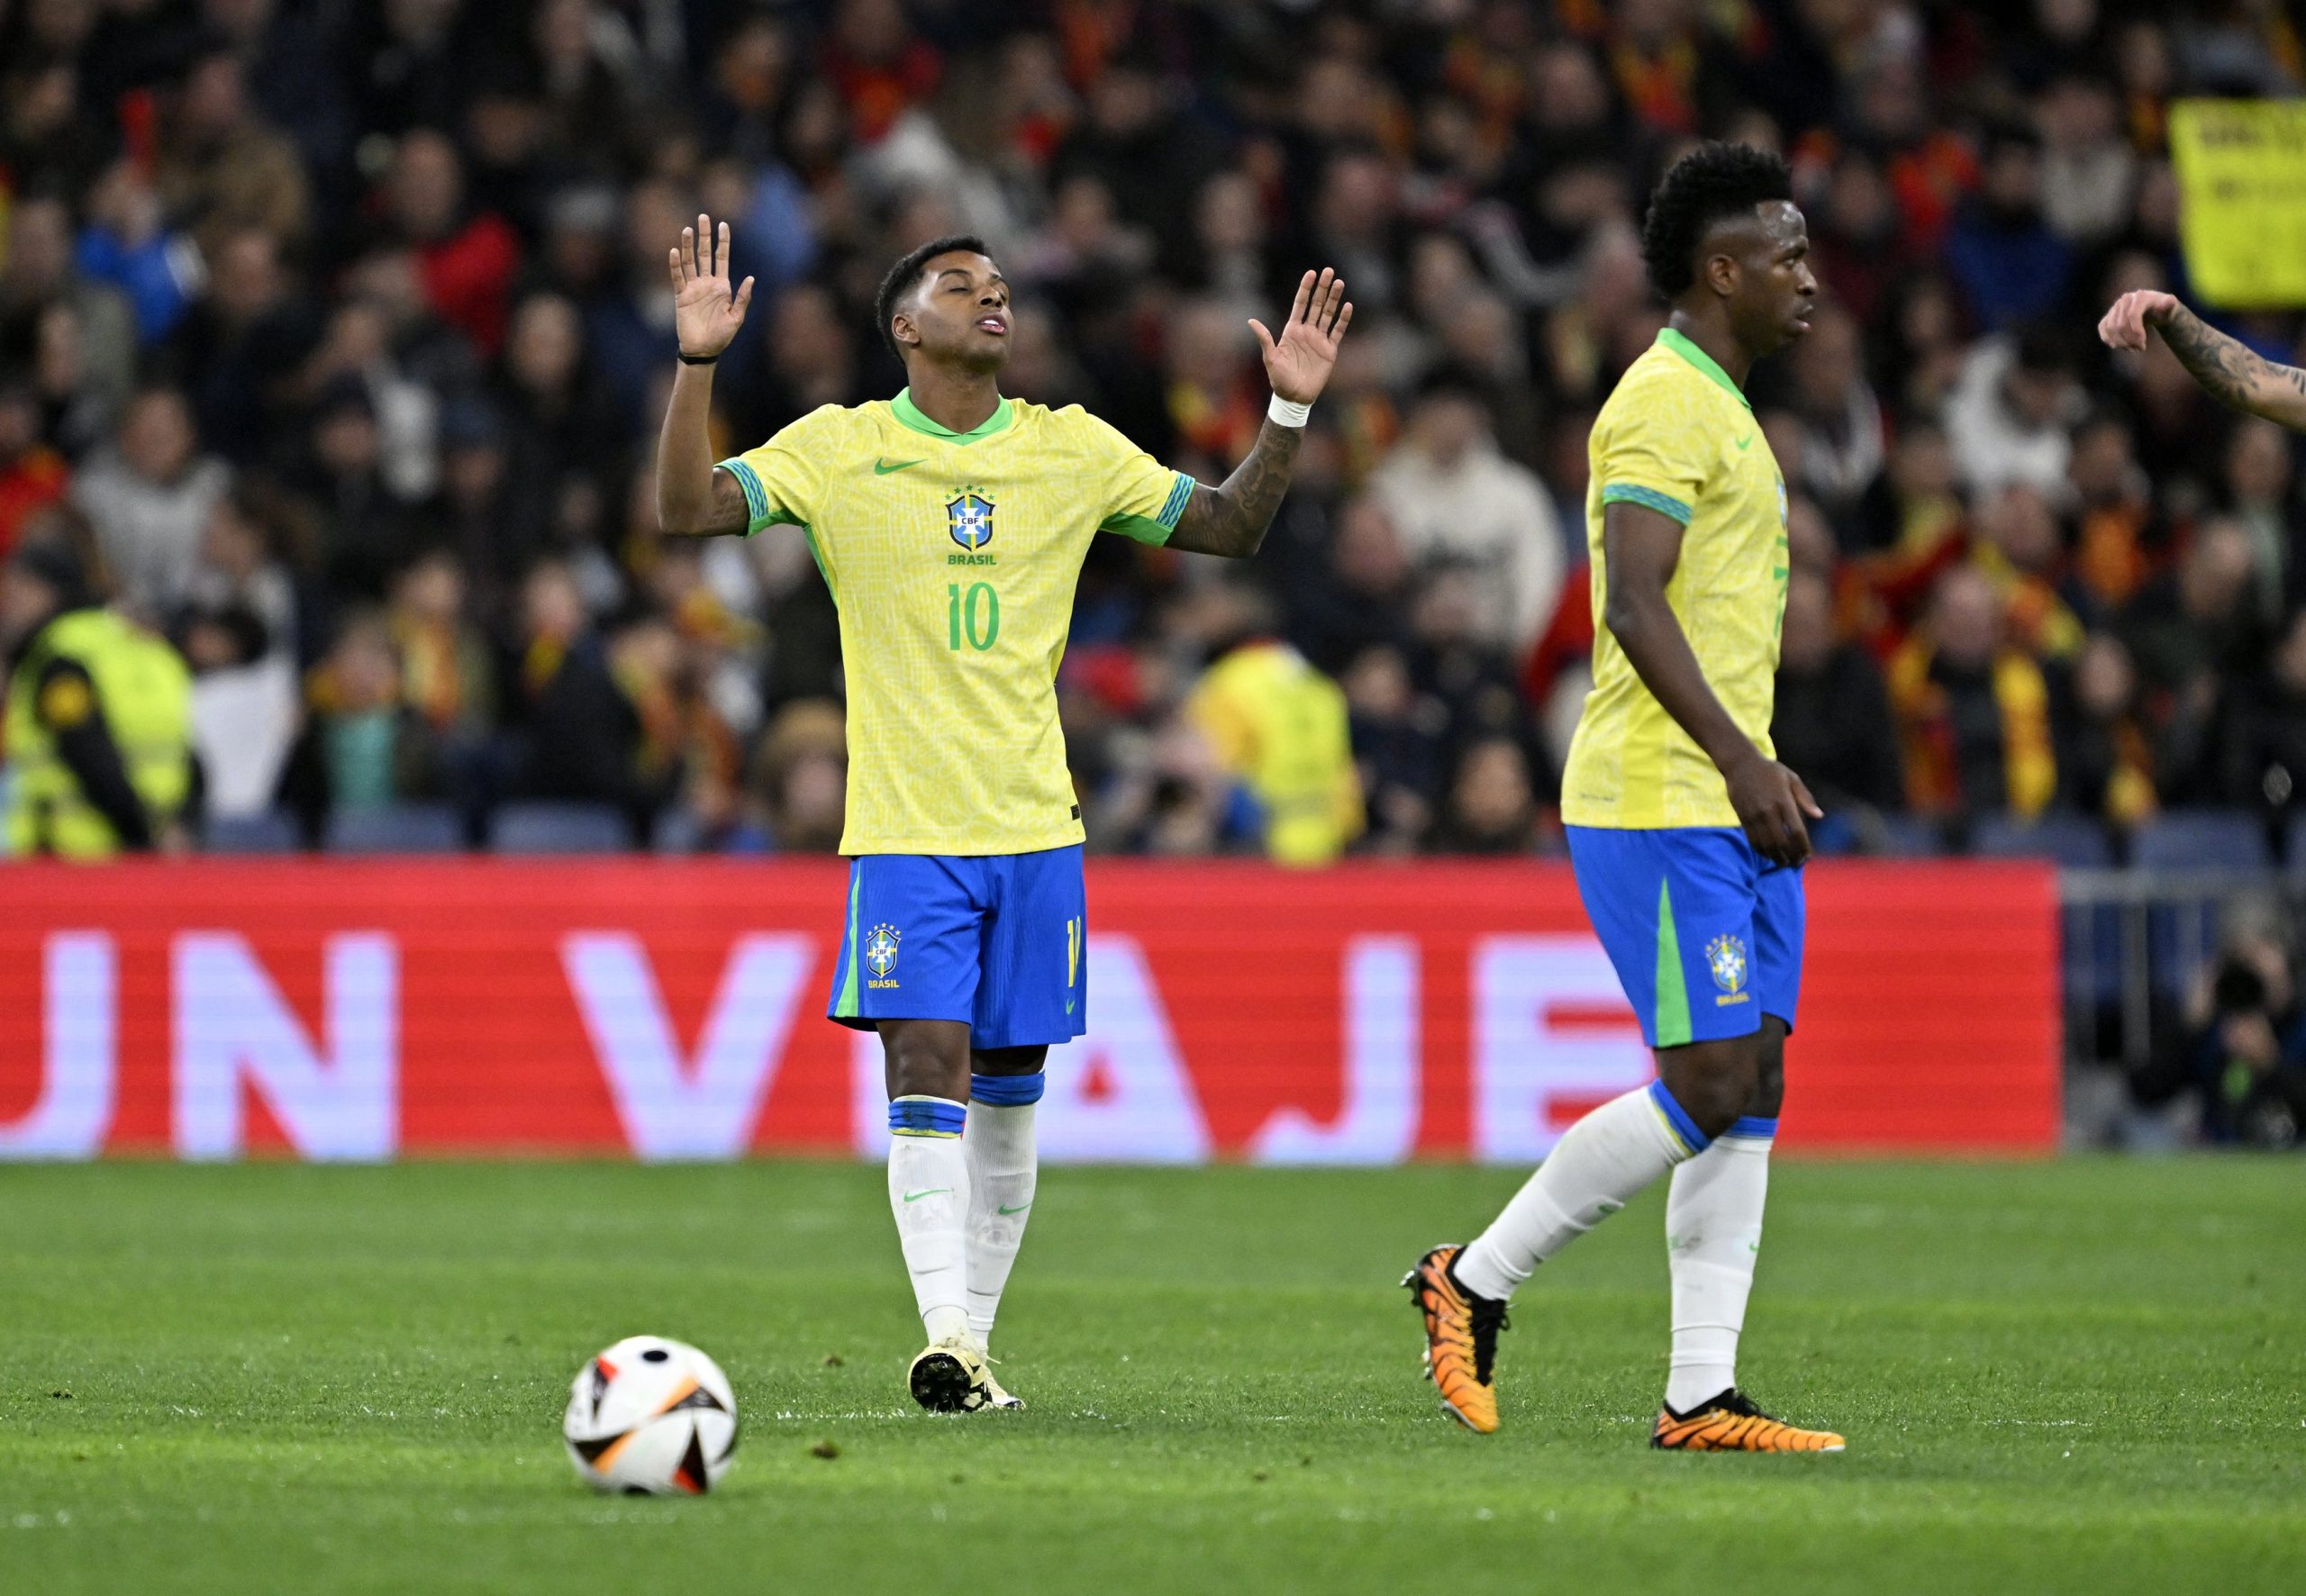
(1648, 498)
(755, 496)
(1155, 528)
(1673, 1013)
(1143, 529)
(1174, 507)
(760, 513)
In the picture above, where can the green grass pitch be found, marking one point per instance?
(2081, 1376)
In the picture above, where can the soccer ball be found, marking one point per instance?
(650, 1417)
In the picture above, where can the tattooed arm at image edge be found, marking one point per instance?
(1231, 520)
(2232, 373)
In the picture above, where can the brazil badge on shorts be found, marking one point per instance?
(998, 941)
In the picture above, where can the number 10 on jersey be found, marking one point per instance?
(975, 615)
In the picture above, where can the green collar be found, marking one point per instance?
(1680, 345)
(909, 415)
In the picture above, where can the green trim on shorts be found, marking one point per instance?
(844, 1007)
(1672, 1016)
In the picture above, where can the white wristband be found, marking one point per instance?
(1287, 413)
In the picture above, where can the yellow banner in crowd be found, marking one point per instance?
(2241, 167)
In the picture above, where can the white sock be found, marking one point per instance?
(1593, 1171)
(929, 1193)
(1713, 1235)
(1002, 1169)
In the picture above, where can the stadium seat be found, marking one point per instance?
(2071, 841)
(408, 829)
(269, 832)
(1834, 837)
(1903, 837)
(2090, 937)
(2294, 844)
(560, 828)
(2202, 839)
(2182, 931)
(677, 832)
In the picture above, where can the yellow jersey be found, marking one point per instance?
(1283, 728)
(952, 559)
(1677, 437)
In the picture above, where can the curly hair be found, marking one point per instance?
(906, 272)
(1711, 184)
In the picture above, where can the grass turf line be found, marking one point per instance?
(2087, 1375)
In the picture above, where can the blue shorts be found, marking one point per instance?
(996, 941)
(1705, 933)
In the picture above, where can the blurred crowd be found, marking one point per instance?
(333, 335)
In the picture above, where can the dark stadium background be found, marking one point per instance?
(333, 335)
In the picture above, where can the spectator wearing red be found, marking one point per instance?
(465, 260)
(1974, 712)
(31, 474)
(2118, 533)
(880, 66)
(1929, 165)
(1675, 76)
(2016, 542)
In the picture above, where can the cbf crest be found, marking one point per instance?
(1725, 960)
(969, 518)
(881, 954)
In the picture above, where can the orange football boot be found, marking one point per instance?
(1732, 1423)
(1460, 1340)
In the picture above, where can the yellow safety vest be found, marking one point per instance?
(1282, 726)
(145, 693)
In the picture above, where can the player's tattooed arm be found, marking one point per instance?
(725, 510)
(2232, 372)
(1641, 549)
(2227, 369)
(693, 499)
(1231, 520)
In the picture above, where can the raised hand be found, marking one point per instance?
(706, 317)
(2123, 327)
(1298, 364)
(2229, 370)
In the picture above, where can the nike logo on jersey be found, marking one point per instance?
(933, 1190)
(1747, 441)
(1021, 1207)
(883, 467)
